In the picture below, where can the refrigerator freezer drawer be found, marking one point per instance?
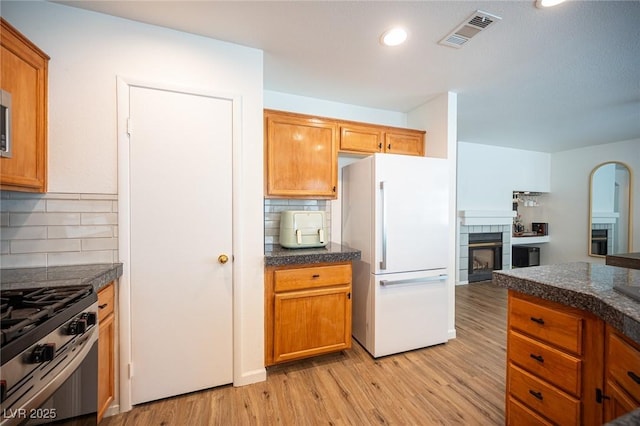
(409, 312)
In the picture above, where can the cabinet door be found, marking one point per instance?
(106, 370)
(408, 143)
(24, 77)
(623, 364)
(106, 346)
(311, 322)
(354, 138)
(301, 157)
(618, 403)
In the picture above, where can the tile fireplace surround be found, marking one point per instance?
(482, 221)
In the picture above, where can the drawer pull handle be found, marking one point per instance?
(315, 276)
(634, 376)
(600, 396)
(537, 395)
(103, 306)
(538, 358)
(538, 320)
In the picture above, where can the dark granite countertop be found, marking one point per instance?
(276, 255)
(582, 285)
(97, 275)
(625, 260)
(632, 418)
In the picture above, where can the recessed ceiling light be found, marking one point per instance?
(393, 37)
(547, 3)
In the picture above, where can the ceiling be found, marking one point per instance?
(539, 79)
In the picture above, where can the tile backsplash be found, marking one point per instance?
(57, 229)
(273, 207)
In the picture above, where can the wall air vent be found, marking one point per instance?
(469, 28)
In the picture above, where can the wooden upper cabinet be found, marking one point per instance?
(357, 138)
(409, 142)
(362, 138)
(301, 156)
(24, 70)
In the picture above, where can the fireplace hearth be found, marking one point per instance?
(485, 255)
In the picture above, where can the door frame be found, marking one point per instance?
(123, 86)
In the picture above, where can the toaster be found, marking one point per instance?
(303, 229)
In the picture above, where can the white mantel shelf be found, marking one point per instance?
(602, 218)
(529, 240)
(486, 217)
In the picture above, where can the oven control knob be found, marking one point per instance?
(90, 317)
(77, 326)
(42, 353)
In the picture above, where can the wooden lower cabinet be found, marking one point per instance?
(106, 348)
(307, 311)
(622, 375)
(554, 363)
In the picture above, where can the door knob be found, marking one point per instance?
(223, 258)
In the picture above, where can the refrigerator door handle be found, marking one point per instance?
(440, 277)
(383, 263)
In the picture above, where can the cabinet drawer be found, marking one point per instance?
(303, 278)
(541, 397)
(105, 301)
(560, 329)
(624, 365)
(552, 365)
(520, 415)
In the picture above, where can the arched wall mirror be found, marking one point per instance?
(610, 209)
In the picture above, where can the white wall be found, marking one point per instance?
(313, 106)
(569, 198)
(488, 175)
(88, 51)
(440, 117)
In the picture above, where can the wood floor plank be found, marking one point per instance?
(461, 382)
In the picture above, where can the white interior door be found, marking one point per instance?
(180, 207)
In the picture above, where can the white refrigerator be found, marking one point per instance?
(395, 210)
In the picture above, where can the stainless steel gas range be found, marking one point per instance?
(49, 355)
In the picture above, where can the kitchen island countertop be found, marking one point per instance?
(98, 275)
(276, 255)
(581, 285)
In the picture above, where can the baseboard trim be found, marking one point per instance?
(250, 377)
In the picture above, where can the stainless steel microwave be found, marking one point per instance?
(5, 124)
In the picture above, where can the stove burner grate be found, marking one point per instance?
(22, 310)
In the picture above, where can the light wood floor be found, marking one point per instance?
(461, 382)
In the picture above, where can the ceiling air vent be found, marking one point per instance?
(469, 28)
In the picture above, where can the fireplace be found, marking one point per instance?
(485, 255)
(599, 241)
